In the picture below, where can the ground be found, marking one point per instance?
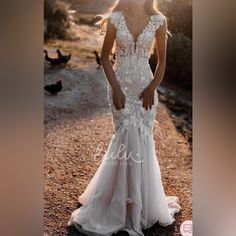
(78, 121)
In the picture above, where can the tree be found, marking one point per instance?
(56, 19)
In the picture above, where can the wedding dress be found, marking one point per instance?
(126, 192)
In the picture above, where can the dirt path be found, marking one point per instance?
(77, 122)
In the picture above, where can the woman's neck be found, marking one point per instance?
(135, 11)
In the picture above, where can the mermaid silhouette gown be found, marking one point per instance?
(126, 192)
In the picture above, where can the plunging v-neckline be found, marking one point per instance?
(135, 41)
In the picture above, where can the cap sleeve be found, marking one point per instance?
(115, 18)
(158, 21)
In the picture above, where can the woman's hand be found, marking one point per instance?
(118, 99)
(148, 97)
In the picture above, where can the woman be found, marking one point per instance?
(126, 193)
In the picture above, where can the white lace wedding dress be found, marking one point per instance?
(126, 193)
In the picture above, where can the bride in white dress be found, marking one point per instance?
(126, 192)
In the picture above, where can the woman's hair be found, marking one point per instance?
(119, 5)
(151, 7)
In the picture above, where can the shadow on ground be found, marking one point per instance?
(155, 230)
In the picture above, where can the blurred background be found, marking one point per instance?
(77, 118)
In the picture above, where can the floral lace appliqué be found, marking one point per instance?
(134, 74)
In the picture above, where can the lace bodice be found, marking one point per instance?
(126, 46)
(133, 73)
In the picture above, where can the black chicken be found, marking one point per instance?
(63, 58)
(52, 61)
(54, 88)
(98, 59)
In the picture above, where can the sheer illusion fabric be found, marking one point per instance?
(126, 192)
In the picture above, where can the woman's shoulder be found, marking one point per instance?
(115, 13)
(159, 17)
(158, 20)
(115, 16)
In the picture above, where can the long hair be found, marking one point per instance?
(150, 6)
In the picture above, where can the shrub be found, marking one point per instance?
(179, 59)
(179, 14)
(56, 19)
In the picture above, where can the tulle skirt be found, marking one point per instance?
(126, 192)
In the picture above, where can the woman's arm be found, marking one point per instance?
(118, 96)
(148, 93)
(161, 45)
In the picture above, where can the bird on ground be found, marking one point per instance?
(98, 59)
(52, 61)
(53, 89)
(63, 58)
